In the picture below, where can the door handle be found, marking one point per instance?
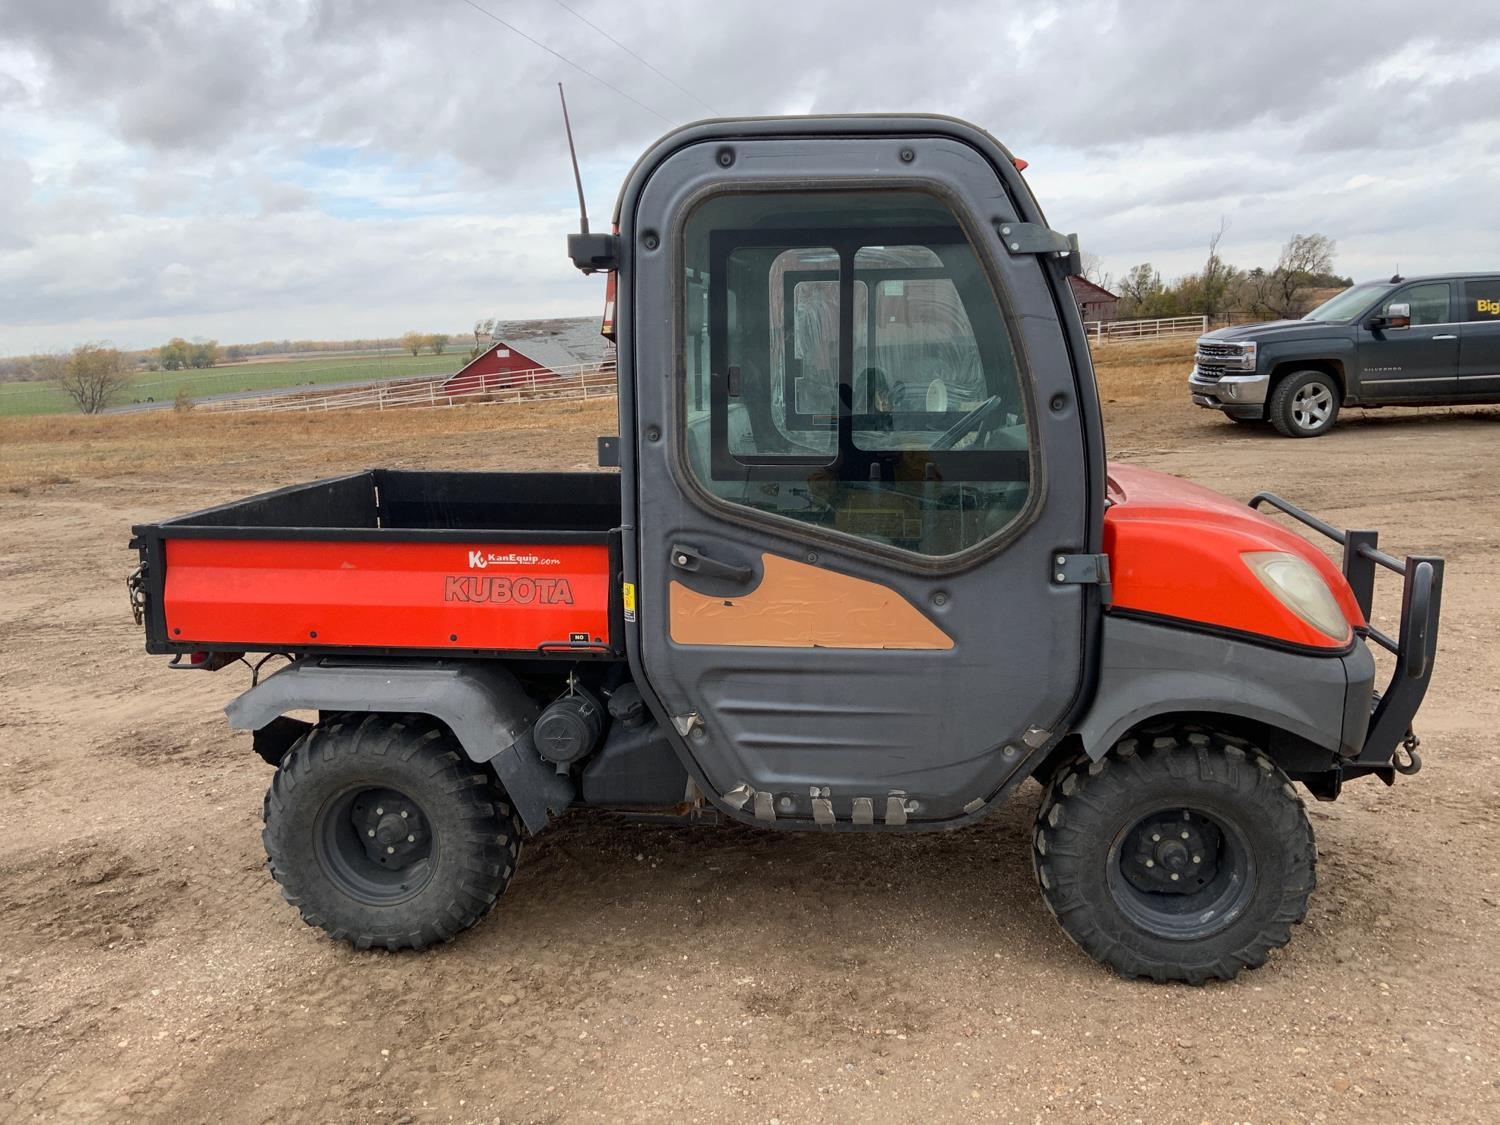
(694, 561)
(1446, 336)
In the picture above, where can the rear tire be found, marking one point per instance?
(383, 833)
(1305, 404)
(1184, 857)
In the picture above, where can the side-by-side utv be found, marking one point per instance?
(863, 568)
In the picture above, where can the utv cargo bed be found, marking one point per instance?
(392, 562)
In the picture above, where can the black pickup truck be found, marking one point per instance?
(1420, 341)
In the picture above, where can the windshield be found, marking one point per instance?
(1348, 304)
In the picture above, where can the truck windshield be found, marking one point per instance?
(1348, 304)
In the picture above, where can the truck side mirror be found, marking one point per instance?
(1396, 316)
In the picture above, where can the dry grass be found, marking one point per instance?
(1137, 372)
(261, 450)
(264, 449)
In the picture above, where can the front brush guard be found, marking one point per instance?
(1421, 600)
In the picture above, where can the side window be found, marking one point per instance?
(846, 365)
(1428, 301)
(1482, 301)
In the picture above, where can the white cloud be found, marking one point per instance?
(271, 168)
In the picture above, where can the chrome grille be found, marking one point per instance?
(1207, 349)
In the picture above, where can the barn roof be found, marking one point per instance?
(1086, 290)
(553, 343)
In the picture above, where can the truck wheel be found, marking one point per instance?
(1184, 857)
(381, 832)
(1305, 404)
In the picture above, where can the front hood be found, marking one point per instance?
(1268, 330)
(1175, 551)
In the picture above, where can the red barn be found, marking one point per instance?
(1094, 301)
(530, 351)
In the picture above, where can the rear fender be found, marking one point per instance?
(482, 704)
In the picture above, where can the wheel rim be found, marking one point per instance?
(1181, 873)
(1312, 406)
(375, 843)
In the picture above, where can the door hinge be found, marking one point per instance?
(1033, 238)
(1083, 570)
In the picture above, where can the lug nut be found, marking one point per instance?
(1151, 863)
(390, 851)
(403, 814)
(411, 839)
(371, 832)
(1175, 876)
(1184, 835)
(1197, 859)
(379, 812)
(1156, 837)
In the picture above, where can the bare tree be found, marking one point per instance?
(1284, 292)
(414, 342)
(437, 341)
(1142, 292)
(93, 376)
(1217, 278)
(1093, 270)
(482, 331)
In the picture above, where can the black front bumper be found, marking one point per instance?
(1416, 646)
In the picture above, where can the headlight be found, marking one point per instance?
(1298, 586)
(1247, 351)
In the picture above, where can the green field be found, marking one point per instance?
(162, 386)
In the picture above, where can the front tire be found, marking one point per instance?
(1184, 857)
(1305, 404)
(383, 833)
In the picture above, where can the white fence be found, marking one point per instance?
(581, 381)
(1118, 330)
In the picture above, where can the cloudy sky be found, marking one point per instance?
(252, 169)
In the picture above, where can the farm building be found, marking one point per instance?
(1094, 301)
(526, 351)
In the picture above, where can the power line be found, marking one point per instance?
(636, 57)
(564, 58)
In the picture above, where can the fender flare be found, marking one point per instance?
(482, 704)
(1152, 669)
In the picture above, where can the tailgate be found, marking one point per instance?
(259, 595)
(391, 562)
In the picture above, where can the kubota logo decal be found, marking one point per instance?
(479, 560)
(517, 591)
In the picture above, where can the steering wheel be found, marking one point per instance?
(973, 420)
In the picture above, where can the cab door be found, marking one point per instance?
(1479, 339)
(1414, 363)
(862, 473)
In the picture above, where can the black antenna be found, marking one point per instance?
(590, 252)
(583, 211)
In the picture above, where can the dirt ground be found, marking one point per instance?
(149, 969)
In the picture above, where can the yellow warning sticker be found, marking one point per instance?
(627, 591)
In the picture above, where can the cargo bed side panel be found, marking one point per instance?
(273, 594)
